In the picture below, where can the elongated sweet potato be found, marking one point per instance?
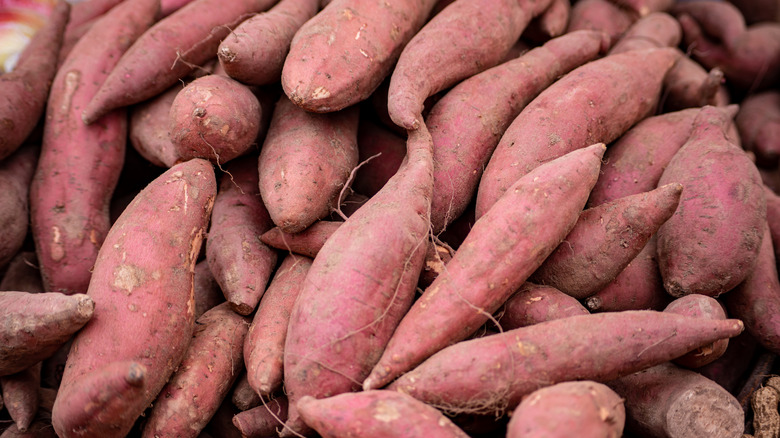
(493, 373)
(264, 420)
(24, 90)
(307, 243)
(669, 401)
(453, 45)
(379, 413)
(711, 242)
(264, 344)
(374, 259)
(535, 303)
(586, 111)
(254, 51)
(152, 247)
(304, 163)
(502, 250)
(758, 121)
(240, 262)
(464, 136)
(16, 173)
(700, 306)
(605, 240)
(20, 395)
(321, 75)
(584, 409)
(35, 325)
(209, 368)
(69, 210)
(169, 51)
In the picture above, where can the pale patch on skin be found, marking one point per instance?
(72, 79)
(127, 278)
(320, 93)
(386, 413)
(57, 250)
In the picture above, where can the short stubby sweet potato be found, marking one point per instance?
(493, 373)
(700, 306)
(712, 241)
(378, 413)
(583, 409)
(576, 111)
(304, 162)
(214, 117)
(143, 284)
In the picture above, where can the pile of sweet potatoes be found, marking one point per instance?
(338, 218)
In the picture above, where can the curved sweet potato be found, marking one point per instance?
(16, 173)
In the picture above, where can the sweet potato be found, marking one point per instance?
(168, 52)
(79, 165)
(41, 428)
(23, 91)
(307, 242)
(722, 22)
(264, 344)
(465, 135)
(600, 15)
(645, 7)
(35, 325)
(20, 395)
(321, 75)
(148, 128)
(374, 259)
(209, 368)
(152, 247)
(689, 85)
(731, 369)
(374, 139)
(304, 163)
(756, 11)
(758, 121)
(712, 241)
(243, 396)
(254, 52)
(16, 173)
(22, 274)
(379, 413)
(605, 240)
(553, 21)
(453, 45)
(240, 262)
(482, 375)
(584, 409)
(669, 401)
(700, 306)
(586, 113)
(505, 247)
(655, 30)
(207, 291)
(533, 304)
(263, 421)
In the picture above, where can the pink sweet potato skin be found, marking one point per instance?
(711, 242)
(79, 165)
(307, 243)
(20, 395)
(207, 372)
(600, 15)
(22, 274)
(758, 121)
(378, 413)
(773, 218)
(35, 325)
(304, 163)
(16, 173)
(585, 409)
(23, 91)
(479, 376)
(264, 344)
(670, 401)
(654, 30)
(374, 258)
(375, 139)
(605, 240)
(148, 128)
(465, 135)
(502, 250)
(700, 306)
(375, 31)
(264, 420)
(453, 45)
(254, 52)
(689, 85)
(168, 51)
(134, 321)
(239, 261)
(586, 113)
(534, 303)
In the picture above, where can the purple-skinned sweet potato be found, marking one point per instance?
(464, 136)
(153, 246)
(493, 373)
(20, 395)
(534, 303)
(583, 409)
(23, 91)
(502, 250)
(304, 162)
(263, 421)
(69, 210)
(16, 173)
(240, 262)
(586, 112)
(700, 306)
(378, 413)
(712, 241)
(605, 240)
(203, 379)
(264, 344)
(243, 396)
(758, 121)
(254, 52)
(374, 258)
